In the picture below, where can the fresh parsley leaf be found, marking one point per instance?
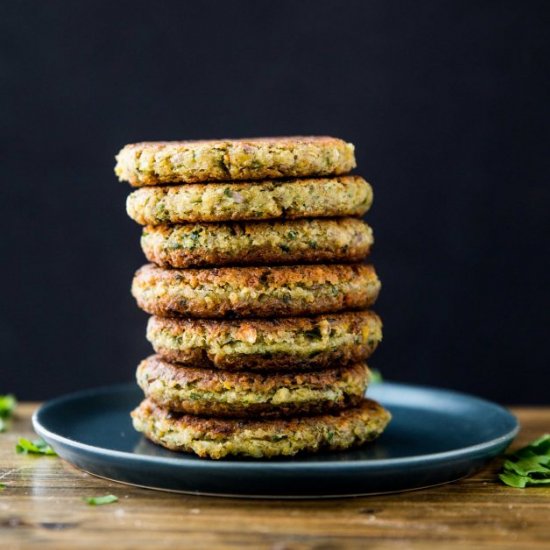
(2, 486)
(528, 466)
(7, 407)
(37, 447)
(520, 482)
(375, 377)
(99, 501)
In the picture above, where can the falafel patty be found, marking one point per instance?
(263, 200)
(151, 163)
(255, 291)
(217, 438)
(213, 392)
(257, 243)
(292, 343)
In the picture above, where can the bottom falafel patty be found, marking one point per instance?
(217, 438)
(263, 344)
(214, 392)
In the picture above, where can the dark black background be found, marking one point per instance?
(447, 103)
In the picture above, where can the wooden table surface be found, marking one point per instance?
(42, 505)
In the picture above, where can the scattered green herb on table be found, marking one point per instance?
(528, 466)
(2, 486)
(99, 501)
(36, 447)
(7, 407)
(375, 376)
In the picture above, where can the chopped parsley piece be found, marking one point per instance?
(36, 447)
(292, 235)
(528, 466)
(375, 377)
(194, 238)
(227, 192)
(99, 501)
(284, 247)
(161, 212)
(7, 407)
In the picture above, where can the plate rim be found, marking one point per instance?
(259, 464)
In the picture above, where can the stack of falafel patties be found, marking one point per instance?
(258, 295)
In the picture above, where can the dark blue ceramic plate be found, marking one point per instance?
(436, 436)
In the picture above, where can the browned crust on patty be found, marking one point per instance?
(213, 392)
(255, 291)
(257, 243)
(151, 163)
(292, 343)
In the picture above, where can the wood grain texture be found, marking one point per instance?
(42, 505)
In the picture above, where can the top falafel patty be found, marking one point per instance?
(153, 163)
